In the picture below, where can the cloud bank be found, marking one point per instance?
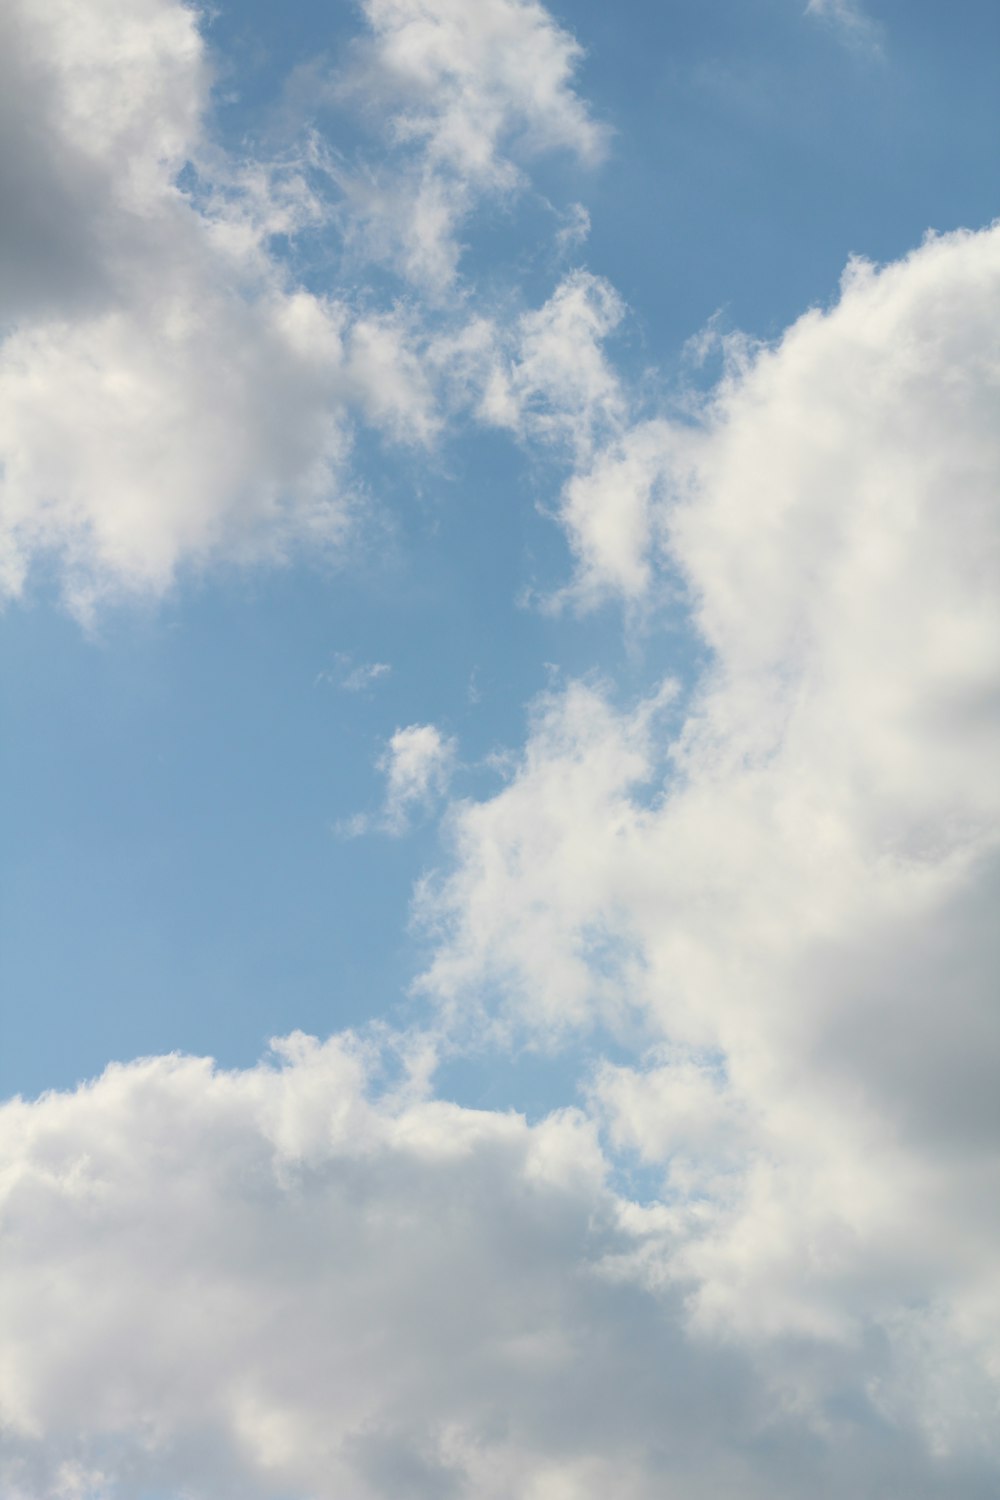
(310, 1278)
(786, 888)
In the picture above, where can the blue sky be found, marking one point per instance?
(499, 554)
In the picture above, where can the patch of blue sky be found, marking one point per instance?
(754, 154)
(532, 1078)
(181, 775)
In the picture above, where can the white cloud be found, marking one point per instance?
(467, 92)
(754, 446)
(351, 676)
(574, 229)
(361, 677)
(167, 396)
(93, 136)
(608, 508)
(533, 866)
(794, 891)
(546, 377)
(556, 383)
(162, 395)
(417, 764)
(197, 428)
(311, 1278)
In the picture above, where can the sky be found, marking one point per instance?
(501, 703)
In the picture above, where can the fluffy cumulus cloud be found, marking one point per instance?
(163, 394)
(789, 888)
(169, 396)
(310, 1278)
(798, 422)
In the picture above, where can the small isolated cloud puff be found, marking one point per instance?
(417, 764)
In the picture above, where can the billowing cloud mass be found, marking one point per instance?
(311, 1279)
(788, 432)
(163, 394)
(789, 888)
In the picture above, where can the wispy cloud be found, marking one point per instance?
(354, 677)
(851, 20)
(465, 93)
